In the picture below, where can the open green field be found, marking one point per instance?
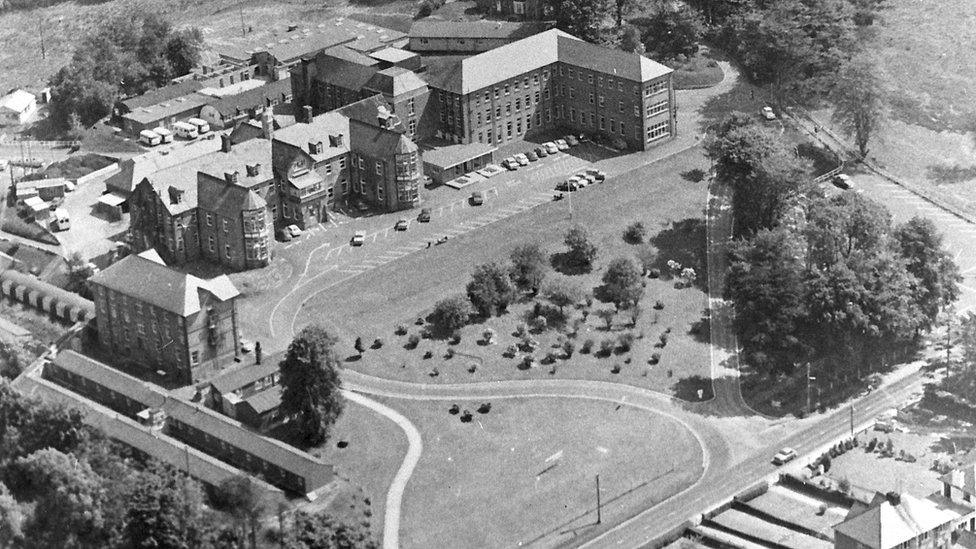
(487, 483)
(373, 304)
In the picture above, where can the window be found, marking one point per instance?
(487, 97)
(580, 75)
(545, 74)
(621, 127)
(572, 113)
(362, 165)
(515, 85)
(225, 225)
(656, 87)
(227, 251)
(620, 106)
(488, 132)
(589, 78)
(528, 123)
(637, 111)
(536, 96)
(657, 108)
(560, 70)
(328, 168)
(572, 92)
(591, 98)
(209, 219)
(535, 79)
(506, 89)
(413, 125)
(496, 93)
(592, 119)
(195, 358)
(548, 115)
(498, 111)
(518, 104)
(657, 131)
(613, 125)
(525, 82)
(509, 129)
(599, 81)
(570, 72)
(210, 242)
(602, 101)
(547, 94)
(518, 126)
(379, 168)
(342, 163)
(620, 85)
(410, 106)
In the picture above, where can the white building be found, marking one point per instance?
(17, 107)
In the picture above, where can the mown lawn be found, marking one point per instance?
(487, 483)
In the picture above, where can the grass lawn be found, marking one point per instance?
(375, 447)
(13, 224)
(697, 72)
(871, 471)
(16, 355)
(374, 303)
(487, 483)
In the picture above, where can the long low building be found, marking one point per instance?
(217, 435)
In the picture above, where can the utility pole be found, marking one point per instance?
(599, 516)
(40, 28)
(852, 421)
(809, 379)
(240, 8)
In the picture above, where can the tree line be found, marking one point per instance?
(816, 277)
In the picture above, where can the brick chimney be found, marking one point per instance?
(267, 124)
(175, 195)
(231, 177)
(226, 144)
(307, 114)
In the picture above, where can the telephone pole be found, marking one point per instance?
(599, 517)
(240, 8)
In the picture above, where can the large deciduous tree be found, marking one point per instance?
(859, 100)
(563, 292)
(920, 243)
(622, 283)
(490, 289)
(310, 384)
(163, 510)
(321, 531)
(581, 251)
(673, 30)
(450, 314)
(529, 266)
(581, 18)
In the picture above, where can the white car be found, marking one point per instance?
(784, 456)
(768, 114)
(358, 239)
(842, 181)
(562, 145)
(294, 230)
(551, 147)
(522, 159)
(510, 163)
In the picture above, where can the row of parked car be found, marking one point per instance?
(582, 178)
(515, 162)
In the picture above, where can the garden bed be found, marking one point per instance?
(696, 72)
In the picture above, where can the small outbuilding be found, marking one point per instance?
(17, 107)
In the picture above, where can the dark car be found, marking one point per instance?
(571, 140)
(477, 198)
(424, 216)
(401, 225)
(842, 181)
(532, 156)
(541, 152)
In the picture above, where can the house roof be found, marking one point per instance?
(452, 155)
(227, 199)
(342, 73)
(392, 55)
(963, 478)
(395, 81)
(113, 380)
(886, 524)
(158, 95)
(171, 107)
(534, 52)
(379, 142)
(146, 277)
(296, 44)
(239, 377)
(353, 56)
(321, 127)
(428, 28)
(608, 61)
(366, 110)
(17, 101)
(266, 400)
(135, 169)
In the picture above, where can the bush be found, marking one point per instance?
(540, 323)
(550, 358)
(510, 351)
(586, 347)
(655, 358)
(413, 341)
(472, 368)
(488, 335)
(428, 354)
(450, 353)
(635, 233)
(450, 314)
(400, 330)
(615, 369)
(844, 485)
(659, 305)
(625, 342)
(419, 321)
(607, 346)
(377, 343)
(521, 330)
(455, 339)
(568, 348)
(654, 273)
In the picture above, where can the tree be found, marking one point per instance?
(310, 384)
(620, 7)
(921, 244)
(28, 425)
(241, 498)
(490, 289)
(647, 257)
(581, 18)
(164, 509)
(450, 314)
(673, 30)
(12, 517)
(622, 284)
(183, 50)
(763, 173)
(68, 500)
(858, 98)
(582, 252)
(321, 531)
(630, 39)
(359, 347)
(529, 266)
(563, 292)
(845, 224)
(607, 316)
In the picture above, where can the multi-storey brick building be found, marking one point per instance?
(163, 320)
(212, 207)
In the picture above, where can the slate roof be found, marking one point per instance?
(392, 55)
(608, 61)
(962, 478)
(504, 62)
(343, 73)
(428, 28)
(321, 127)
(137, 168)
(365, 110)
(353, 56)
(266, 400)
(884, 525)
(170, 107)
(239, 377)
(394, 81)
(146, 277)
(252, 98)
(17, 101)
(229, 200)
(165, 93)
(452, 155)
(111, 379)
(379, 142)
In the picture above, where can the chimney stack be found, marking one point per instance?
(226, 144)
(231, 177)
(267, 124)
(175, 195)
(307, 114)
(893, 498)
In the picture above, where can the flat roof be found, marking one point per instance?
(393, 55)
(427, 28)
(170, 107)
(452, 155)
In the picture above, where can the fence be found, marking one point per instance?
(111, 169)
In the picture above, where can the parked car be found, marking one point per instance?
(477, 198)
(532, 156)
(522, 159)
(585, 176)
(358, 239)
(401, 225)
(284, 235)
(784, 456)
(510, 163)
(424, 216)
(69, 186)
(551, 147)
(842, 181)
(562, 145)
(599, 175)
(541, 152)
(571, 184)
(571, 140)
(245, 345)
(768, 114)
(294, 230)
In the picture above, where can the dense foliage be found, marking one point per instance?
(310, 384)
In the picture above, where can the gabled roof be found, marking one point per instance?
(321, 127)
(608, 61)
(504, 62)
(392, 55)
(395, 81)
(215, 194)
(136, 389)
(429, 28)
(353, 56)
(165, 93)
(884, 524)
(962, 478)
(146, 277)
(266, 400)
(148, 114)
(454, 154)
(296, 44)
(342, 73)
(379, 142)
(17, 101)
(137, 168)
(239, 377)
(253, 98)
(366, 110)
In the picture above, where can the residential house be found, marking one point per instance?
(156, 318)
(17, 107)
(133, 170)
(230, 110)
(959, 485)
(432, 36)
(900, 521)
(250, 394)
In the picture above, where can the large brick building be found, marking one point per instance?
(163, 320)
(541, 83)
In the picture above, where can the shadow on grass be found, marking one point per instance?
(564, 263)
(696, 175)
(701, 329)
(685, 242)
(948, 175)
(693, 389)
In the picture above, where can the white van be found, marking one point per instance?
(165, 135)
(149, 138)
(185, 130)
(202, 125)
(60, 220)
